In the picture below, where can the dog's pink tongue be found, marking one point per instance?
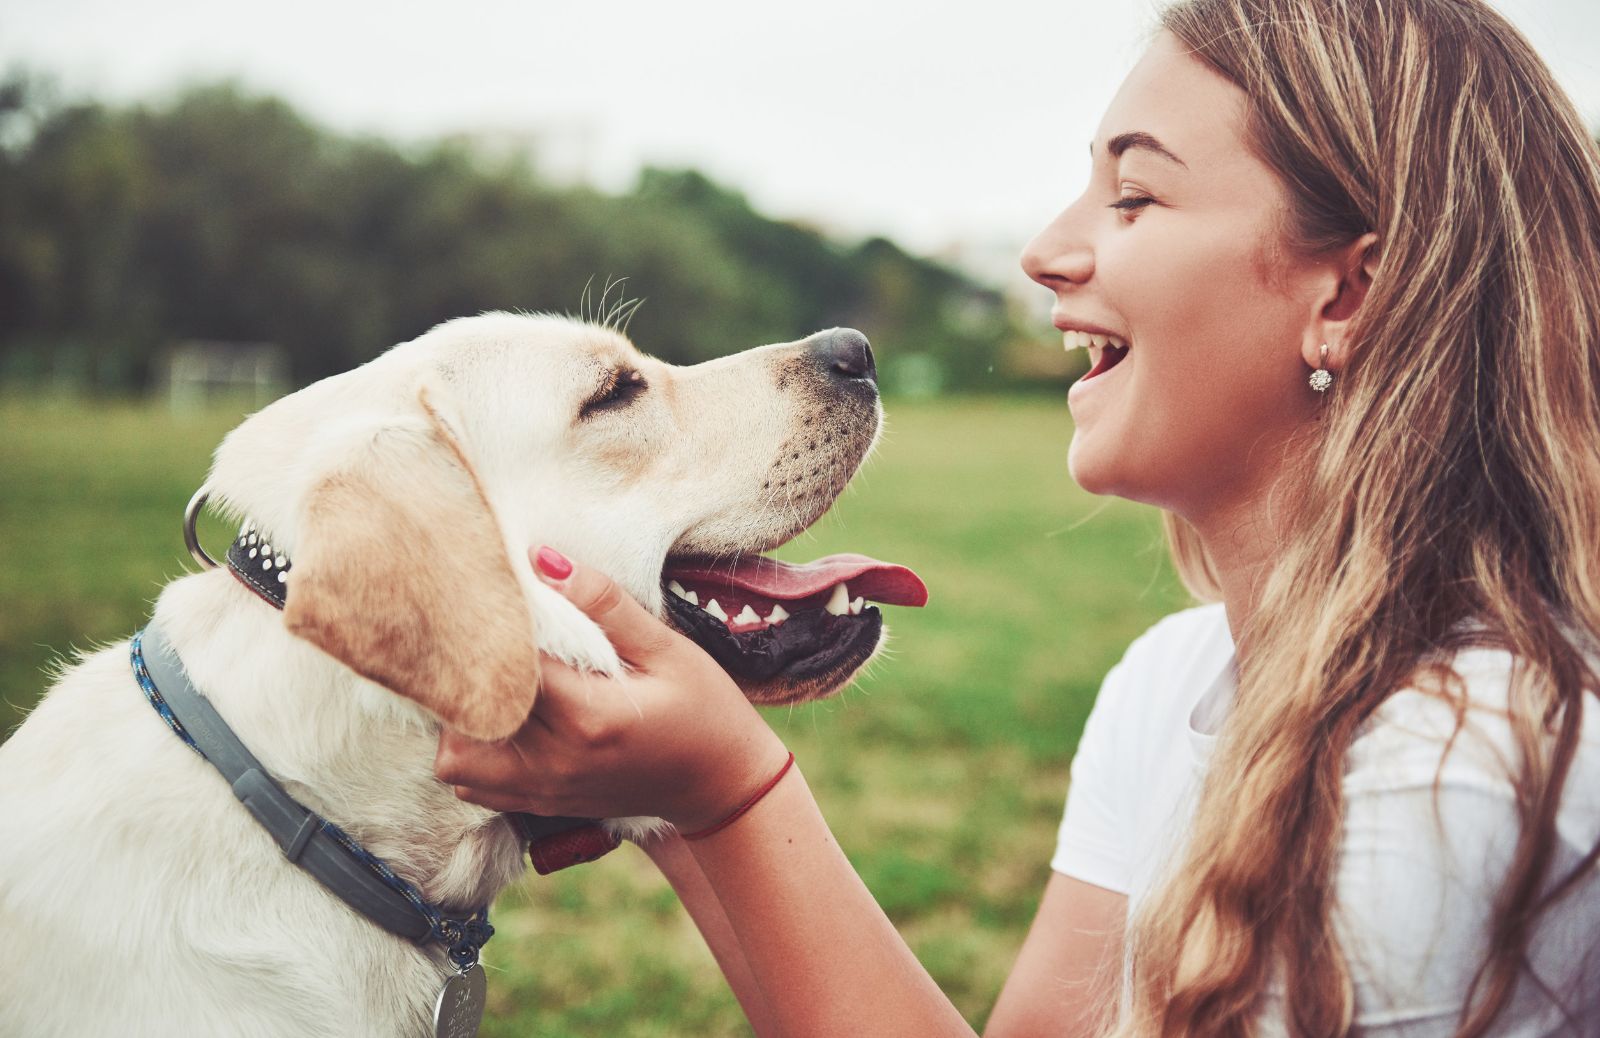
(786, 581)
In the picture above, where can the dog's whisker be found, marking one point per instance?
(583, 305)
(612, 311)
(632, 310)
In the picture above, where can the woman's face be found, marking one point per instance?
(1176, 249)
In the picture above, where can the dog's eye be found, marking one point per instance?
(618, 390)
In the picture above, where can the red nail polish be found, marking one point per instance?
(553, 564)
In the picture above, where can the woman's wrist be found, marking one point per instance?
(750, 802)
(746, 764)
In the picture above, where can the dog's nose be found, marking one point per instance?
(846, 354)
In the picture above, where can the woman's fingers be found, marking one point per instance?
(505, 803)
(632, 631)
(494, 775)
(578, 708)
(461, 761)
(575, 717)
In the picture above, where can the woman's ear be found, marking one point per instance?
(1352, 270)
(401, 573)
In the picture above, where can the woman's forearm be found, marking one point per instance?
(673, 857)
(825, 958)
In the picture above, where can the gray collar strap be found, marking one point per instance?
(328, 853)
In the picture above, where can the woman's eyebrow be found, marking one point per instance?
(1137, 139)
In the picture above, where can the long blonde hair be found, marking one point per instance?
(1456, 478)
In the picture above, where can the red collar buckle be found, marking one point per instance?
(577, 846)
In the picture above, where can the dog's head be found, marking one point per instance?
(408, 492)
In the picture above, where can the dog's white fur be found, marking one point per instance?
(137, 897)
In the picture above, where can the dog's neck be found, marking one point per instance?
(344, 747)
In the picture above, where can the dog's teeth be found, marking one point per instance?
(857, 605)
(716, 610)
(839, 602)
(747, 616)
(677, 589)
(778, 615)
(693, 598)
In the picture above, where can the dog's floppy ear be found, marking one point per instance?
(400, 571)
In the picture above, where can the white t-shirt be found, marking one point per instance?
(1415, 882)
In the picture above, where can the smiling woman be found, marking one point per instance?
(1180, 231)
(1338, 269)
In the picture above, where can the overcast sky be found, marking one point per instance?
(929, 124)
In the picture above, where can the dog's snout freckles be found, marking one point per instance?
(787, 433)
(812, 465)
(836, 420)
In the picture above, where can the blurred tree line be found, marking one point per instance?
(223, 215)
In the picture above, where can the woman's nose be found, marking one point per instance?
(1058, 256)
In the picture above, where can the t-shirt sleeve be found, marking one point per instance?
(1093, 841)
(1425, 851)
(1416, 880)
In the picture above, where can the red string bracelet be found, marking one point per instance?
(701, 834)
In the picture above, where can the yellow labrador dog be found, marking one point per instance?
(392, 507)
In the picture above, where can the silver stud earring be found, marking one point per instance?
(1322, 378)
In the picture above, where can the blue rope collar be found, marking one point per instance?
(350, 872)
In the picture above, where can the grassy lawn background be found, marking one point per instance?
(942, 771)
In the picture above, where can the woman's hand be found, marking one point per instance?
(803, 943)
(672, 737)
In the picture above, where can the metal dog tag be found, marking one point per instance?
(460, 1007)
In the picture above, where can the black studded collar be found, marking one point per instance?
(259, 565)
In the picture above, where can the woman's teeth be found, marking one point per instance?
(1075, 340)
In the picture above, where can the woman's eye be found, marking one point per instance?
(1132, 204)
(617, 391)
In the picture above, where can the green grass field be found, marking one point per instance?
(942, 771)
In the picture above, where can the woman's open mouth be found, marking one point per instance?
(768, 621)
(1105, 351)
(1109, 358)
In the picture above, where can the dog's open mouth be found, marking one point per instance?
(765, 620)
